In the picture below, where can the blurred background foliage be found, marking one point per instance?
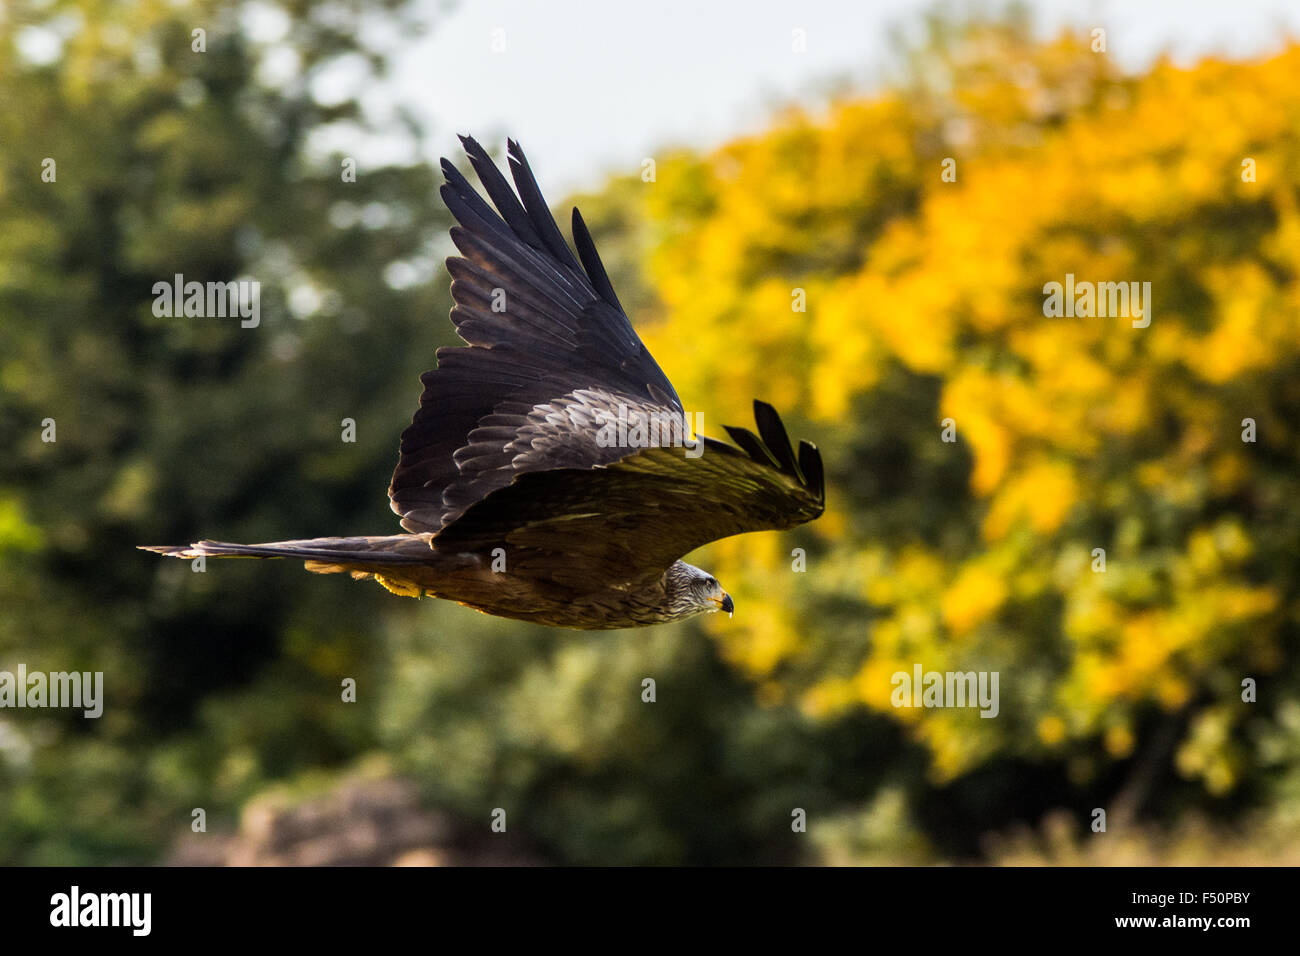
(1119, 690)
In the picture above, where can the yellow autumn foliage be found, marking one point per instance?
(1100, 531)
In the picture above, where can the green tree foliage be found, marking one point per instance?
(169, 160)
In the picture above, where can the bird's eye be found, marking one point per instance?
(713, 582)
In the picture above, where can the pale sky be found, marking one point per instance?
(593, 87)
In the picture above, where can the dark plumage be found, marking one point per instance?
(515, 501)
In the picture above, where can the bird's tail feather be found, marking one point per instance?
(395, 549)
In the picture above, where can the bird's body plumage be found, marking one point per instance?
(514, 501)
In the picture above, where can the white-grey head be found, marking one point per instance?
(692, 591)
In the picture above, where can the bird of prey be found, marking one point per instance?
(516, 499)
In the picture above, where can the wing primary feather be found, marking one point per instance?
(753, 447)
(775, 437)
(507, 203)
(465, 203)
(591, 261)
(537, 209)
(810, 462)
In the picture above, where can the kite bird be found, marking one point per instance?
(514, 502)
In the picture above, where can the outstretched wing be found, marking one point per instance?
(624, 521)
(549, 349)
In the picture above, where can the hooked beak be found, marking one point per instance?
(727, 604)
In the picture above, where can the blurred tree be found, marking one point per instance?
(173, 156)
(925, 302)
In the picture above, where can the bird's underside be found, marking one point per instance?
(464, 577)
(519, 495)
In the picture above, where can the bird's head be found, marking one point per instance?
(693, 590)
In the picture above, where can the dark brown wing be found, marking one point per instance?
(547, 343)
(630, 519)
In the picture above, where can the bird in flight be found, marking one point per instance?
(519, 494)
